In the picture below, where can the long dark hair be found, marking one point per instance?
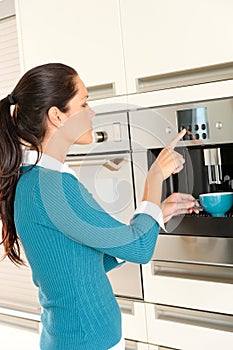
(42, 87)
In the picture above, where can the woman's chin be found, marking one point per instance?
(84, 140)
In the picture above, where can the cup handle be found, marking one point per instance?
(197, 207)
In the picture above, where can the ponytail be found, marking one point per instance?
(10, 161)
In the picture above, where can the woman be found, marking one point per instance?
(69, 240)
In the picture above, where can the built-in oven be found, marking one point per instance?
(188, 285)
(105, 168)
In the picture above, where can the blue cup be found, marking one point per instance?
(216, 204)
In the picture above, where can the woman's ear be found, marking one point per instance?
(53, 116)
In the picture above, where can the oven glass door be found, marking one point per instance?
(108, 177)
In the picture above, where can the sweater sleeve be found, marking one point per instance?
(110, 262)
(71, 209)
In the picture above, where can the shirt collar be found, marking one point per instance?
(46, 161)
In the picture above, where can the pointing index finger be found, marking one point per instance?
(172, 144)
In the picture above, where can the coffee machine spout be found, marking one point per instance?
(212, 158)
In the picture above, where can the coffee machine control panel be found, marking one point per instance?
(195, 121)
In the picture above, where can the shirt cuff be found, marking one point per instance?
(153, 210)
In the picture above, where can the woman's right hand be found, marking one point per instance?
(169, 161)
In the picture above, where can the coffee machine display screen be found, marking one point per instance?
(195, 121)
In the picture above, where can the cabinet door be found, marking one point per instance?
(133, 320)
(162, 37)
(83, 34)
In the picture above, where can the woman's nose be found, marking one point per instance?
(91, 113)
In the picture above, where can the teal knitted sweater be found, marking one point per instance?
(70, 243)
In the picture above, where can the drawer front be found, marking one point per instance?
(188, 329)
(19, 332)
(133, 319)
(196, 286)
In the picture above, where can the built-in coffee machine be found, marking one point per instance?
(208, 151)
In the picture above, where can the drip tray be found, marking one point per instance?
(201, 224)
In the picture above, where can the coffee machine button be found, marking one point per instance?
(203, 126)
(196, 127)
(219, 125)
(169, 130)
(204, 135)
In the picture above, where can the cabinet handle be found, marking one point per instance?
(213, 273)
(126, 306)
(186, 77)
(194, 317)
(20, 322)
(101, 91)
(131, 345)
(111, 164)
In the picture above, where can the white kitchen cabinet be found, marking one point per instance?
(83, 34)
(194, 286)
(187, 329)
(18, 331)
(163, 37)
(133, 319)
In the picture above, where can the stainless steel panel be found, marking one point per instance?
(126, 281)
(206, 250)
(153, 128)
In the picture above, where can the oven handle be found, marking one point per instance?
(113, 164)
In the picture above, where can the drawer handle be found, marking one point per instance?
(186, 77)
(20, 322)
(127, 307)
(194, 317)
(131, 345)
(213, 273)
